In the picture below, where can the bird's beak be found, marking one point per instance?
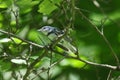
(39, 30)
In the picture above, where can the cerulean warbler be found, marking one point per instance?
(53, 33)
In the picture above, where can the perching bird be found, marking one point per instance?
(53, 33)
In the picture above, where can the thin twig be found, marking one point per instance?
(31, 66)
(29, 42)
(45, 69)
(88, 62)
(103, 36)
(109, 75)
(48, 72)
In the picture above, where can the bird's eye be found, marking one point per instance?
(43, 27)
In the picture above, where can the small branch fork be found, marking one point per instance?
(102, 35)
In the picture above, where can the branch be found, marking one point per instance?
(102, 35)
(88, 62)
(31, 66)
(29, 42)
(77, 58)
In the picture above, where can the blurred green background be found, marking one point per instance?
(24, 17)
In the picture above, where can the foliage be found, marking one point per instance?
(26, 54)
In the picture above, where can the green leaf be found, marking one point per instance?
(23, 33)
(1, 17)
(59, 49)
(72, 62)
(55, 1)
(38, 37)
(97, 18)
(5, 65)
(47, 6)
(26, 5)
(3, 5)
(18, 61)
(4, 40)
(18, 41)
(1, 25)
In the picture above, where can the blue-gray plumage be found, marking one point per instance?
(51, 32)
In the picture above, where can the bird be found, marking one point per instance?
(54, 33)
